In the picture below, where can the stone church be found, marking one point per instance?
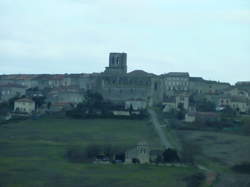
(118, 86)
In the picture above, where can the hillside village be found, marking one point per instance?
(37, 94)
(160, 120)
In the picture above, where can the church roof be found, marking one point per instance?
(177, 74)
(140, 73)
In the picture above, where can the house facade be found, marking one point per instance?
(140, 154)
(24, 106)
(236, 92)
(175, 81)
(175, 102)
(9, 91)
(138, 104)
(238, 104)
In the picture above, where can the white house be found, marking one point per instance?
(190, 117)
(137, 104)
(24, 106)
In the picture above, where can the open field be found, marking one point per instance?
(51, 131)
(222, 148)
(219, 152)
(32, 154)
(40, 172)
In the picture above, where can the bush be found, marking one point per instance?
(242, 168)
(246, 128)
(79, 154)
(76, 155)
(4, 108)
(205, 106)
(170, 155)
(195, 180)
(189, 151)
(92, 152)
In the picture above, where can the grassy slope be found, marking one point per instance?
(32, 154)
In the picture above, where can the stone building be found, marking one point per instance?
(198, 85)
(201, 86)
(243, 83)
(182, 100)
(55, 81)
(24, 106)
(89, 81)
(117, 63)
(140, 154)
(238, 104)
(176, 81)
(9, 91)
(118, 86)
(190, 117)
(27, 81)
(138, 104)
(65, 95)
(236, 92)
(175, 102)
(169, 104)
(60, 106)
(125, 87)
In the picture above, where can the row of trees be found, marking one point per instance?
(95, 106)
(111, 153)
(92, 152)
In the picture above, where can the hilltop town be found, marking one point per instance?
(164, 123)
(137, 88)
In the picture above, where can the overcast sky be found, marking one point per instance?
(208, 38)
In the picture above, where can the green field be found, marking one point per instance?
(32, 154)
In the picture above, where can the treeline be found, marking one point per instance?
(95, 152)
(94, 106)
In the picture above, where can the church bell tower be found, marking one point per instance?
(117, 63)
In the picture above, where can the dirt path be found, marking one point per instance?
(210, 175)
(159, 130)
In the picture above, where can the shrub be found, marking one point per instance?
(76, 155)
(189, 151)
(170, 155)
(242, 168)
(205, 105)
(79, 154)
(92, 152)
(195, 180)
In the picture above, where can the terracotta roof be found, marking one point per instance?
(177, 74)
(12, 86)
(18, 77)
(25, 100)
(57, 77)
(197, 79)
